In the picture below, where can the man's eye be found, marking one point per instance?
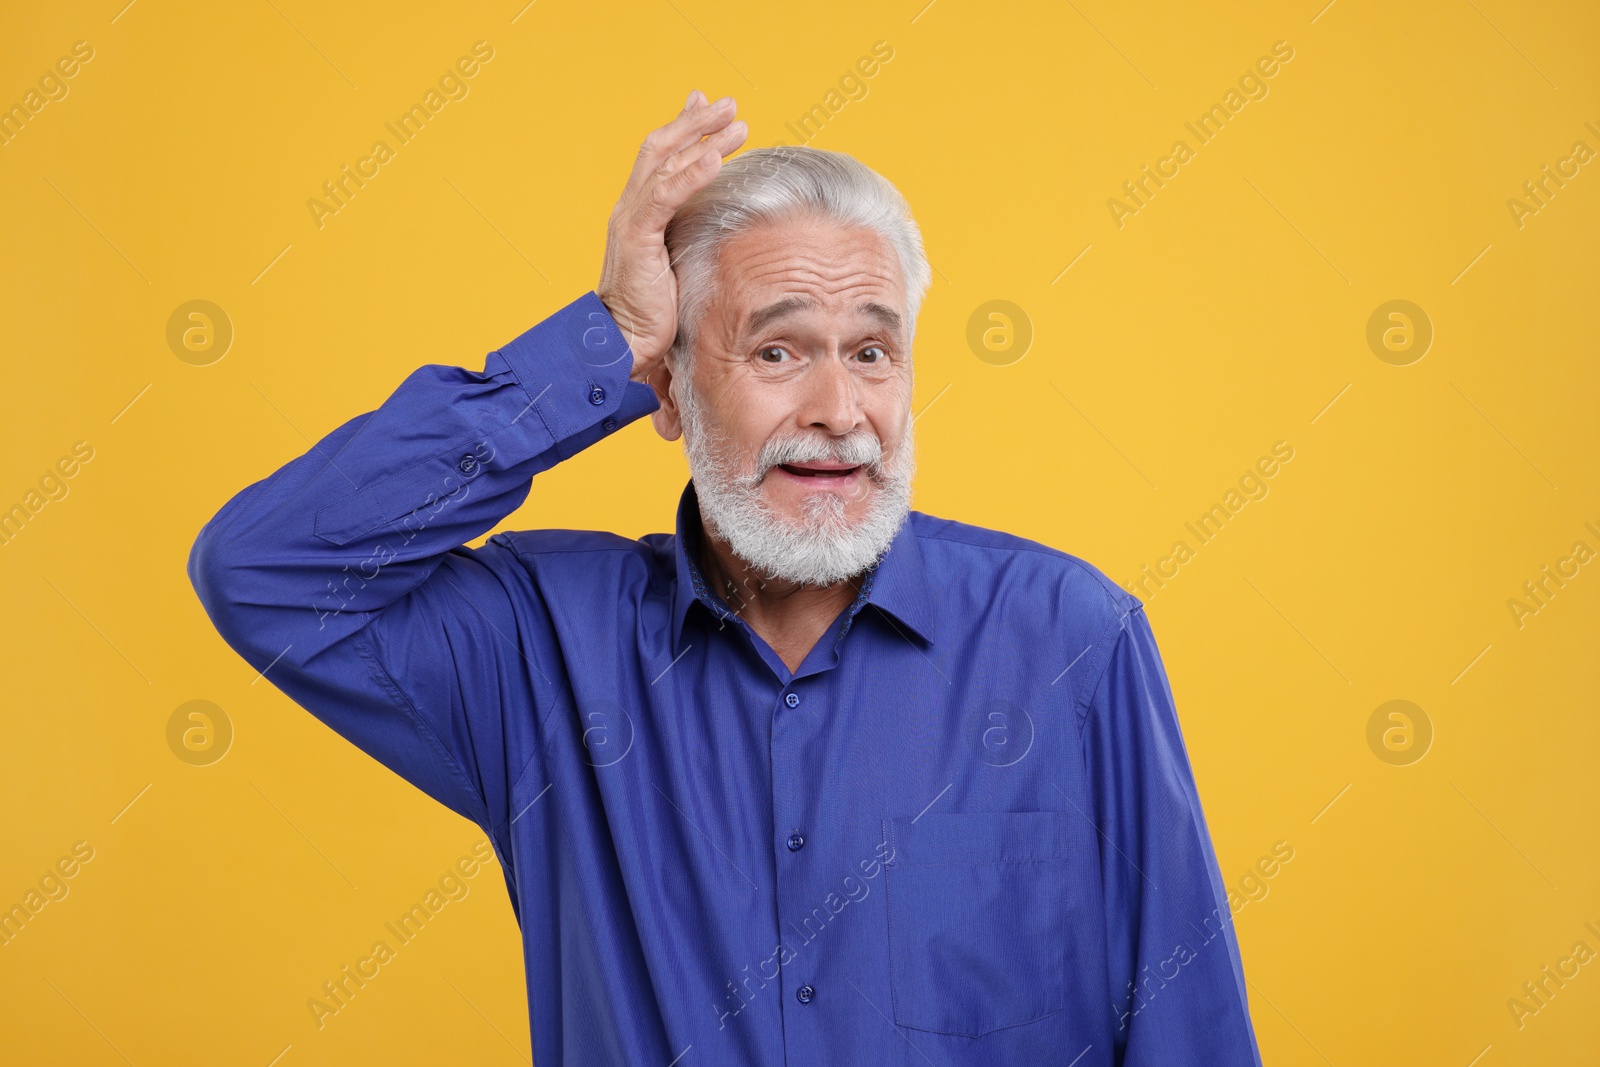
(768, 356)
(874, 354)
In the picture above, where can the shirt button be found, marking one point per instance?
(804, 994)
(793, 700)
(796, 842)
(468, 464)
(609, 425)
(597, 395)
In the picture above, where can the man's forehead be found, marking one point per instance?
(809, 266)
(769, 313)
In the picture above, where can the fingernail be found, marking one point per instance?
(687, 104)
(724, 104)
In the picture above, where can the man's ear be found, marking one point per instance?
(665, 418)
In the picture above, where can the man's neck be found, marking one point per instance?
(789, 617)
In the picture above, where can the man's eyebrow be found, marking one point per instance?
(763, 317)
(887, 317)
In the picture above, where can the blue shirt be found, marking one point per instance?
(965, 831)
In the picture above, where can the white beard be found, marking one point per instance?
(824, 549)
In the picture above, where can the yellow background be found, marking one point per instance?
(1228, 314)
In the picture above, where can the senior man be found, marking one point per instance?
(816, 779)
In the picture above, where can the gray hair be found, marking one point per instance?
(771, 184)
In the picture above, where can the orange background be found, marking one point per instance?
(1167, 355)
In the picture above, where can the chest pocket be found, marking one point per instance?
(977, 919)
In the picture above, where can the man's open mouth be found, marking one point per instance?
(819, 470)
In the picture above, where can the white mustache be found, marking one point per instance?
(858, 449)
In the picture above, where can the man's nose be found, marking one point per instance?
(830, 396)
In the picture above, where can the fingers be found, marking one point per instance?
(697, 166)
(695, 121)
(723, 142)
(663, 180)
(671, 191)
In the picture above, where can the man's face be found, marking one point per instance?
(799, 427)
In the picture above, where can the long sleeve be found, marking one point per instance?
(1176, 980)
(343, 576)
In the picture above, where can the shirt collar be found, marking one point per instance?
(897, 585)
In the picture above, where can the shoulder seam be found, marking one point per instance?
(1084, 566)
(1034, 547)
(1103, 649)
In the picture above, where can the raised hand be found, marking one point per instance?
(637, 284)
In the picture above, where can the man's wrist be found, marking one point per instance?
(645, 356)
(623, 323)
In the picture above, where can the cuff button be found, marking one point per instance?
(609, 425)
(467, 464)
(597, 395)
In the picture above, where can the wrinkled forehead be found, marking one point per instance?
(809, 271)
